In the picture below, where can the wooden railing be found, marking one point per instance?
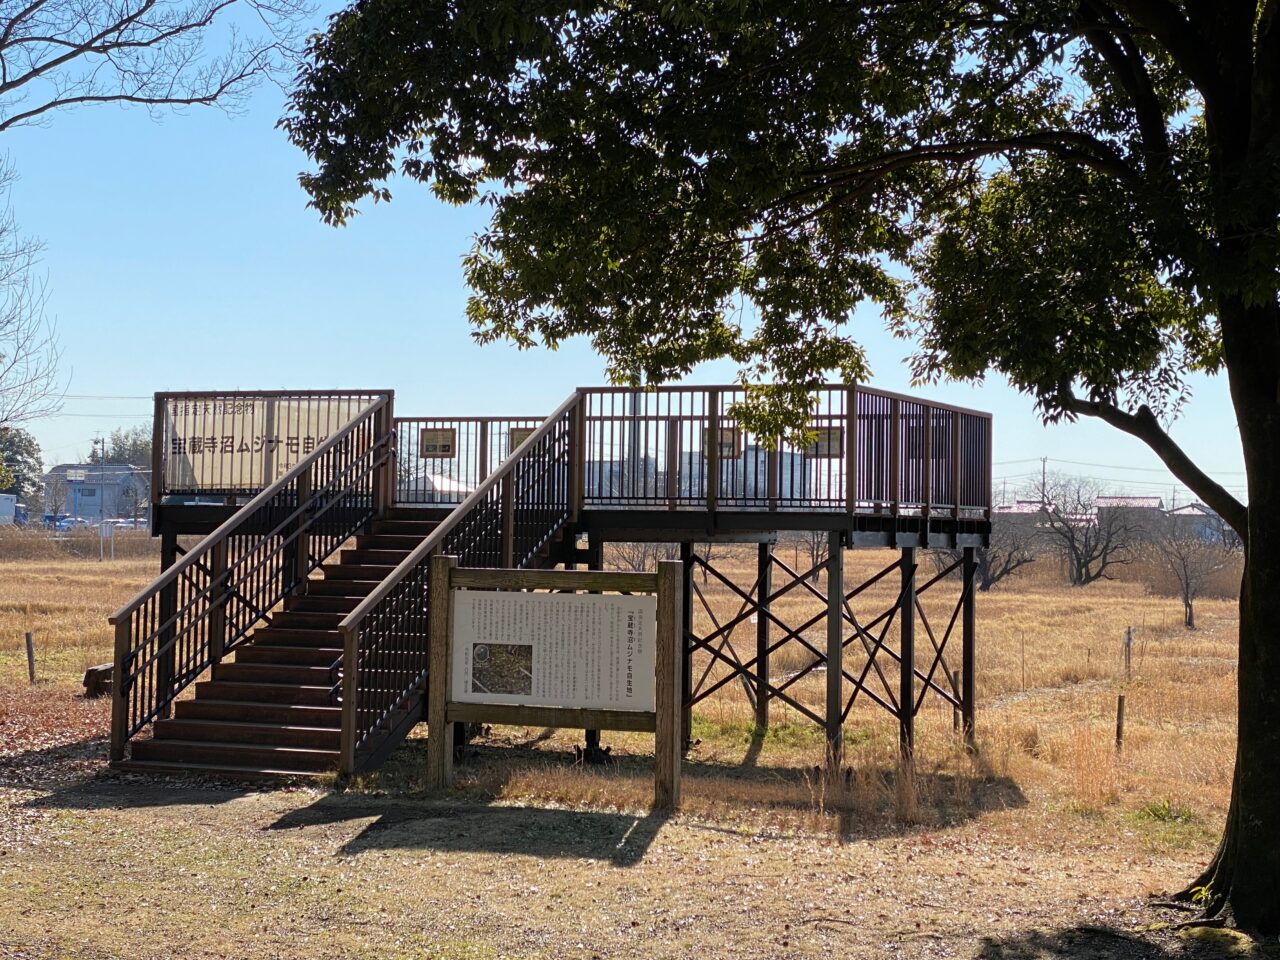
(444, 459)
(506, 522)
(207, 603)
(871, 452)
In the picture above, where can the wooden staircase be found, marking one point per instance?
(270, 708)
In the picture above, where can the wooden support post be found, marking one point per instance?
(482, 464)
(907, 676)
(851, 451)
(668, 683)
(926, 474)
(773, 464)
(592, 751)
(508, 519)
(439, 730)
(168, 607)
(301, 547)
(968, 631)
(956, 463)
(384, 480)
(673, 464)
(217, 600)
(713, 449)
(579, 461)
(31, 658)
(157, 458)
(895, 455)
(764, 565)
(350, 677)
(120, 689)
(835, 648)
(686, 643)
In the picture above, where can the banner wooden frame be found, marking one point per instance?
(664, 720)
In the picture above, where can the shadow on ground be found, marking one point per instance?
(1097, 943)
(619, 839)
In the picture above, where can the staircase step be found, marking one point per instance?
(378, 557)
(236, 754)
(418, 514)
(282, 694)
(296, 655)
(359, 589)
(354, 571)
(309, 619)
(294, 714)
(313, 603)
(274, 636)
(273, 673)
(387, 541)
(404, 528)
(243, 731)
(221, 770)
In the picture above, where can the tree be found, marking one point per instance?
(1083, 196)
(1015, 542)
(1089, 540)
(640, 557)
(1190, 557)
(126, 445)
(814, 544)
(29, 386)
(152, 53)
(6, 478)
(55, 495)
(20, 455)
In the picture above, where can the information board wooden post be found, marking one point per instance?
(667, 699)
(440, 639)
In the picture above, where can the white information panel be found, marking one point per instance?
(554, 649)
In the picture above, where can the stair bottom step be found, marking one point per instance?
(222, 771)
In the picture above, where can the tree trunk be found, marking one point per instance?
(1243, 879)
(1189, 613)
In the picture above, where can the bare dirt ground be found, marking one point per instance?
(1044, 845)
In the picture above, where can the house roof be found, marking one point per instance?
(108, 472)
(1146, 503)
(1191, 510)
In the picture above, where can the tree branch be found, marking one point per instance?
(1146, 428)
(1164, 21)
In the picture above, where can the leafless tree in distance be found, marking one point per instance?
(1016, 541)
(1190, 555)
(1089, 540)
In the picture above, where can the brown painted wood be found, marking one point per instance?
(566, 717)
(439, 729)
(479, 578)
(835, 648)
(668, 741)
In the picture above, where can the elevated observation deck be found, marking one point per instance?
(670, 464)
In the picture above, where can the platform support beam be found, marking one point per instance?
(968, 632)
(907, 632)
(686, 648)
(764, 563)
(835, 647)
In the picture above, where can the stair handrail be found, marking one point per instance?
(561, 425)
(285, 509)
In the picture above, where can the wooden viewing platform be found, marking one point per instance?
(307, 653)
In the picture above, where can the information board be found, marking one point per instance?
(554, 649)
(438, 444)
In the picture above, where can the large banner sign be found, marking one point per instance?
(243, 444)
(554, 649)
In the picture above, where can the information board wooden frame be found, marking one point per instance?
(664, 720)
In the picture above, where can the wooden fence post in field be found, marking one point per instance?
(1120, 699)
(31, 657)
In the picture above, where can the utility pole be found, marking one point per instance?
(101, 445)
(1044, 479)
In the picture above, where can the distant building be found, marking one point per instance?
(94, 491)
(1142, 516)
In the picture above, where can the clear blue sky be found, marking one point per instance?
(180, 255)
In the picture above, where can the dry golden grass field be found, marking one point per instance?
(1045, 843)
